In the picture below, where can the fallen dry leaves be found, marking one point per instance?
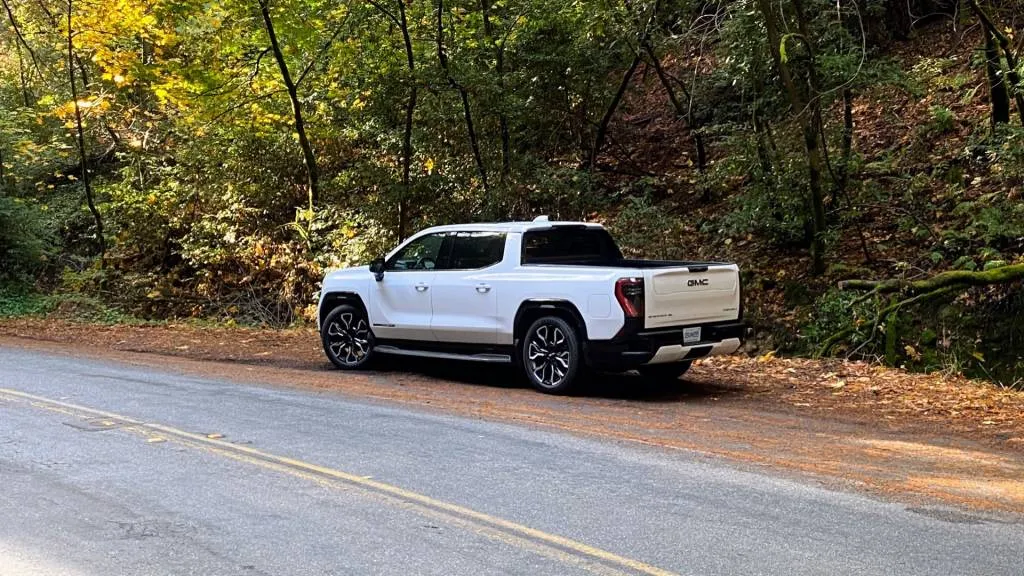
(859, 390)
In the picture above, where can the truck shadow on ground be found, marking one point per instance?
(627, 386)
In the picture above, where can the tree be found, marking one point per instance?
(807, 109)
(994, 37)
(467, 113)
(999, 95)
(405, 161)
(309, 158)
(499, 70)
(80, 131)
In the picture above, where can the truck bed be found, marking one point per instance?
(676, 292)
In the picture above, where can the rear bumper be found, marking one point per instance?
(635, 347)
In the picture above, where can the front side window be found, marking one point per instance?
(421, 254)
(475, 250)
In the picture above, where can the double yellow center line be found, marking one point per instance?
(550, 545)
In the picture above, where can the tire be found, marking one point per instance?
(664, 372)
(347, 338)
(551, 355)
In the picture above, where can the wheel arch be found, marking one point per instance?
(530, 310)
(332, 300)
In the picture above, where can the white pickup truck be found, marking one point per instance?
(550, 297)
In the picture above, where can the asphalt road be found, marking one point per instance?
(110, 469)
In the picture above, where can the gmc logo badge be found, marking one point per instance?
(697, 282)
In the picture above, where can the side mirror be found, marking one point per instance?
(377, 268)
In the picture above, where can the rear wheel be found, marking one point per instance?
(551, 355)
(346, 337)
(664, 372)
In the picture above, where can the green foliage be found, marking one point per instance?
(645, 229)
(773, 204)
(19, 302)
(26, 243)
(970, 335)
(942, 120)
(835, 311)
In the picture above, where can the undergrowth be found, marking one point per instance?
(21, 301)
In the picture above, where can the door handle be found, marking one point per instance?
(422, 287)
(483, 288)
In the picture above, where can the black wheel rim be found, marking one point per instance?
(348, 338)
(548, 355)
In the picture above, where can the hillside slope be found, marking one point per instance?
(930, 190)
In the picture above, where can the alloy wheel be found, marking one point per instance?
(348, 337)
(548, 355)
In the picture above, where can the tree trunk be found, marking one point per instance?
(698, 138)
(406, 162)
(811, 129)
(25, 95)
(602, 128)
(1003, 42)
(843, 178)
(100, 241)
(817, 202)
(702, 154)
(82, 71)
(760, 137)
(499, 57)
(467, 112)
(814, 157)
(1000, 99)
(847, 150)
(312, 173)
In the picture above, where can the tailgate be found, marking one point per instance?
(694, 294)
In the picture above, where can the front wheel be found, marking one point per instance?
(664, 372)
(346, 336)
(551, 355)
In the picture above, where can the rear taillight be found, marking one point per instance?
(630, 294)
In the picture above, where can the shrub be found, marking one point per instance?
(644, 229)
(26, 244)
(20, 302)
(834, 311)
(942, 120)
(771, 208)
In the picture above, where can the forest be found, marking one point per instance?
(862, 160)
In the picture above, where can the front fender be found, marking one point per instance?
(350, 281)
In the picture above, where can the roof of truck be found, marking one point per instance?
(537, 224)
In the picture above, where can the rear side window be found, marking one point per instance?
(475, 250)
(566, 245)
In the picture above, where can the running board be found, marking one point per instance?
(490, 358)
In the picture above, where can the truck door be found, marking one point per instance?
(400, 307)
(464, 299)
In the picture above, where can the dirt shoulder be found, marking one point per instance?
(927, 438)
